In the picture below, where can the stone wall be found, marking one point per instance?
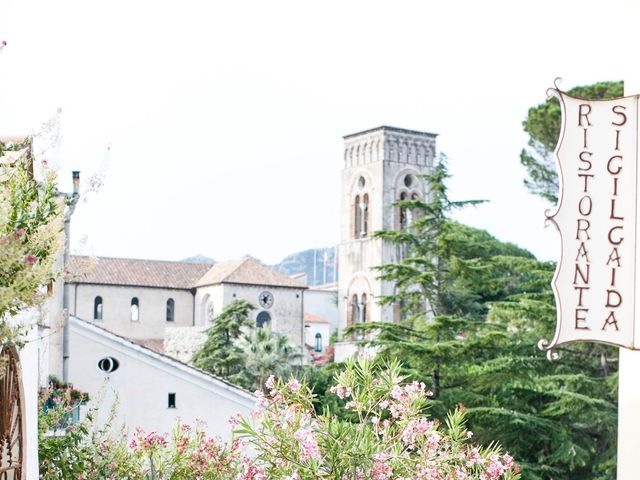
(182, 342)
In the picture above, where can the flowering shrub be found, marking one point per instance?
(392, 440)
(284, 439)
(189, 454)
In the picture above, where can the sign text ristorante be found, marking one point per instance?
(597, 216)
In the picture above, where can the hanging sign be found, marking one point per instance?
(595, 279)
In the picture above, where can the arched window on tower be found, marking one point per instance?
(171, 305)
(365, 216)
(403, 213)
(355, 310)
(412, 214)
(318, 347)
(97, 308)
(135, 309)
(357, 218)
(363, 308)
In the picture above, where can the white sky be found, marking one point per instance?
(225, 119)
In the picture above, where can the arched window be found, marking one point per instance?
(171, 305)
(403, 213)
(363, 308)
(263, 319)
(135, 309)
(357, 218)
(365, 215)
(318, 342)
(97, 308)
(355, 310)
(415, 212)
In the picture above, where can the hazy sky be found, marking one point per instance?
(225, 119)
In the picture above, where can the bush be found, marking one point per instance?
(391, 439)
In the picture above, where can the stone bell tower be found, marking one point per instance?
(381, 165)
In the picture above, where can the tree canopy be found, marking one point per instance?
(474, 309)
(220, 353)
(543, 127)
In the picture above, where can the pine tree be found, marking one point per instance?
(220, 353)
(473, 311)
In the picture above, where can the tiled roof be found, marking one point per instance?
(135, 272)
(311, 318)
(247, 271)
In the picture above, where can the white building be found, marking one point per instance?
(154, 302)
(153, 391)
(381, 166)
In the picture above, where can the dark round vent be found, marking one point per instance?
(108, 364)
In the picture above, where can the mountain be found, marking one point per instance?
(318, 264)
(199, 259)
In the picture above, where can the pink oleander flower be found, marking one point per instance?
(309, 448)
(381, 470)
(270, 383)
(293, 385)
(234, 421)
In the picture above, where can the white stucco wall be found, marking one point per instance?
(116, 308)
(286, 311)
(209, 296)
(323, 304)
(143, 381)
(310, 331)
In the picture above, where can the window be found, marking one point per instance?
(403, 213)
(108, 364)
(263, 319)
(408, 180)
(355, 310)
(363, 309)
(318, 342)
(365, 215)
(170, 309)
(357, 218)
(135, 309)
(171, 400)
(97, 308)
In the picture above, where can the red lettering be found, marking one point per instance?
(583, 275)
(588, 203)
(581, 317)
(616, 297)
(584, 229)
(613, 207)
(611, 320)
(615, 109)
(587, 108)
(609, 165)
(585, 160)
(619, 241)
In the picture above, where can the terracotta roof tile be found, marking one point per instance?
(129, 271)
(311, 318)
(247, 271)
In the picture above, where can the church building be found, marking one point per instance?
(381, 166)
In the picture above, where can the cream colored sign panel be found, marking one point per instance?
(596, 216)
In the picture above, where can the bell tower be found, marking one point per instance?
(381, 165)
